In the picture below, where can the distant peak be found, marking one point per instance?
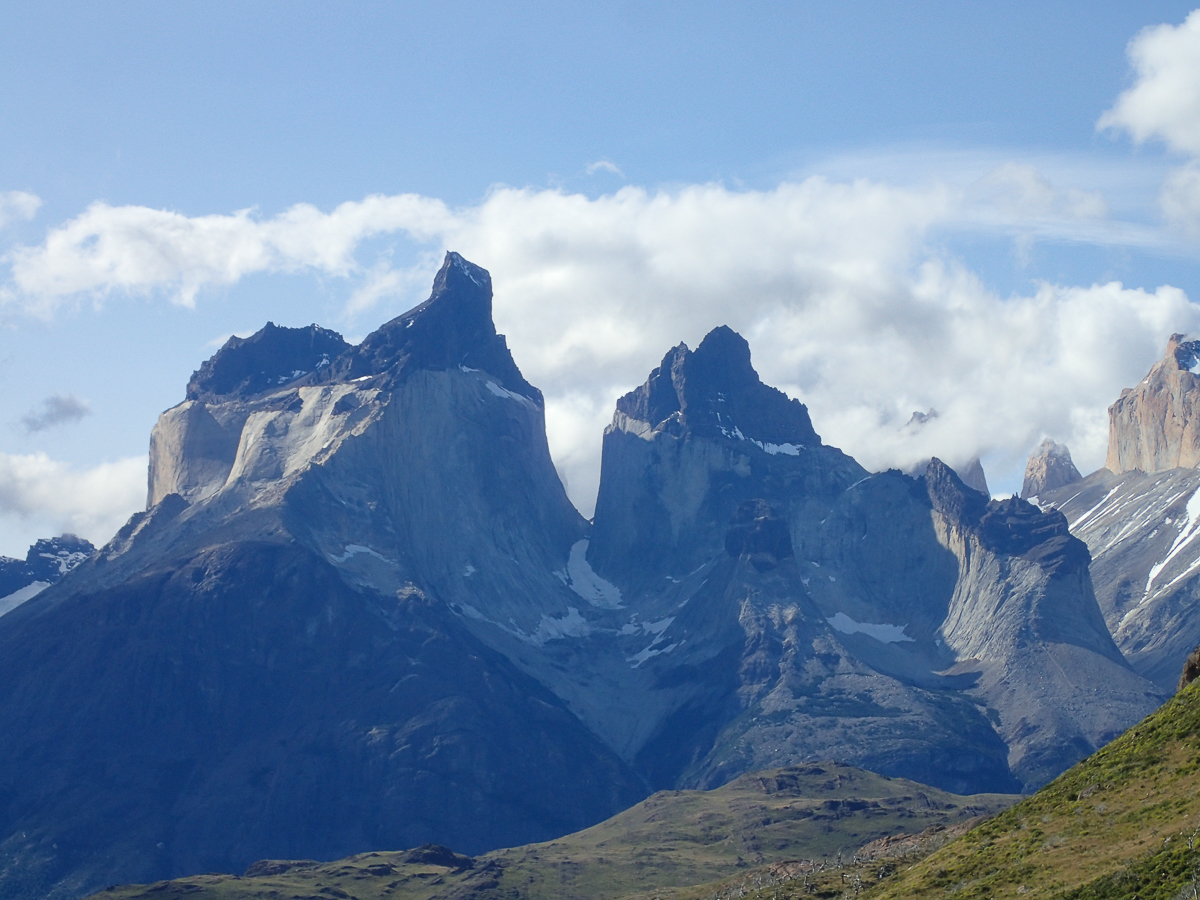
(714, 391)
(1049, 468)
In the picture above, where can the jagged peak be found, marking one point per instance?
(452, 329)
(715, 391)
(1011, 527)
(271, 357)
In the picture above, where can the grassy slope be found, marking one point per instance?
(1117, 825)
(665, 844)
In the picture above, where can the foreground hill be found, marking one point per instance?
(1121, 824)
(672, 840)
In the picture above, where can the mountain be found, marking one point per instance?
(47, 561)
(759, 823)
(1139, 517)
(802, 608)
(360, 612)
(269, 662)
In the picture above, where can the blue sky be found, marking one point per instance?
(901, 207)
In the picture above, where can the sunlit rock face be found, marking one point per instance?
(1139, 517)
(1155, 426)
(1049, 468)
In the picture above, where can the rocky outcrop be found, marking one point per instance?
(1049, 468)
(1191, 670)
(1156, 426)
(47, 561)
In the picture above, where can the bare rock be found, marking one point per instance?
(1049, 468)
(1156, 425)
(1191, 669)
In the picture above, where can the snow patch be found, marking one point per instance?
(354, 550)
(505, 392)
(19, 596)
(774, 449)
(1186, 535)
(583, 580)
(570, 625)
(651, 651)
(888, 634)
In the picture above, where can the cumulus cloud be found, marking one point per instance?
(141, 251)
(846, 300)
(18, 206)
(56, 410)
(1164, 101)
(43, 496)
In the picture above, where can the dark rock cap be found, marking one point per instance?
(1191, 669)
(271, 357)
(715, 391)
(1012, 527)
(757, 531)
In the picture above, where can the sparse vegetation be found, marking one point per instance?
(779, 829)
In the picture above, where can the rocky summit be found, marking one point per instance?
(1049, 468)
(47, 561)
(360, 613)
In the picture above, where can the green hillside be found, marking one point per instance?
(754, 830)
(1122, 824)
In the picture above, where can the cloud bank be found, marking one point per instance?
(46, 497)
(841, 288)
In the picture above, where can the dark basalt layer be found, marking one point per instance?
(716, 390)
(452, 328)
(1012, 527)
(270, 357)
(758, 532)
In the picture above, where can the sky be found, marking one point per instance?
(987, 210)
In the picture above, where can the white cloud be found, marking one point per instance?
(846, 301)
(1164, 101)
(604, 165)
(44, 497)
(142, 251)
(18, 205)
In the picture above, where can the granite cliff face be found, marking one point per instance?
(1049, 468)
(907, 625)
(1155, 426)
(276, 659)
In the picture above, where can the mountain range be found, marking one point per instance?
(360, 612)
